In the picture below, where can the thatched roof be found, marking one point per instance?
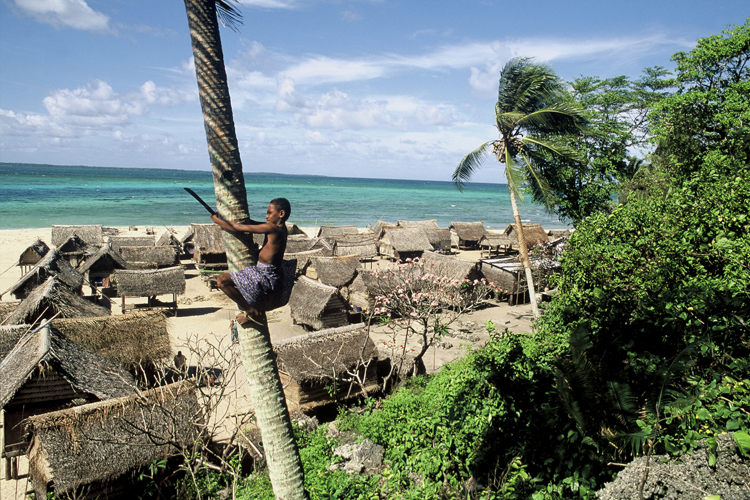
(494, 240)
(311, 300)
(85, 371)
(130, 339)
(380, 227)
(53, 264)
(532, 233)
(362, 245)
(131, 241)
(325, 245)
(559, 233)
(328, 231)
(74, 245)
(91, 234)
(440, 239)
(424, 224)
(303, 258)
(7, 308)
(33, 254)
(205, 238)
(148, 283)
(105, 259)
(469, 231)
(317, 356)
(9, 337)
(150, 256)
(408, 239)
(294, 230)
(450, 267)
(298, 243)
(100, 442)
(50, 298)
(336, 271)
(506, 275)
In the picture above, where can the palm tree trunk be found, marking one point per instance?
(524, 254)
(266, 392)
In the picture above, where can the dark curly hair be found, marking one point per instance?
(282, 204)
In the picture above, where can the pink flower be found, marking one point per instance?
(413, 314)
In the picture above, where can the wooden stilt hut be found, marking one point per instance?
(469, 233)
(508, 275)
(92, 235)
(318, 368)
(53, 264)
(49, 299)
(46, 372)
(316, 305)
(91, 451)
(150, 284)
(32, 255)
(403, 243)
(491, 243)
(532, 232)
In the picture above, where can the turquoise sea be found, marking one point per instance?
(35, 196)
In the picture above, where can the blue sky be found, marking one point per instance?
(355, 88)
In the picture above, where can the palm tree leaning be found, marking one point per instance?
(531, 112)
(284, 465)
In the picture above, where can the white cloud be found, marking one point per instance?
(74, 14)
(95, 106)
(164, 96)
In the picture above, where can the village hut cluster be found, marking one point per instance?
(80, 384)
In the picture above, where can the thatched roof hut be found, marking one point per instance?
(403, 243)
(92, 234)
(52, 298)
(325, 245)
(310, 364)
(380, 227)
(450, 267)
(362, 245)
(336, 271)
(168, 239)
(74, 249)
(532, 232)
(131, 339)
(506, 274)
(149, 283)
(205, 242)
(440, 239)
(316, 305)
(6, 309)
(304, 259)
(294, 230)
(53, 264)
(492, 242)
(469, 233)
(9, 337)
(32, 255)
(358, 294)
(150, 257)
(92, 448)
(298, 243)
(423, 224)
(100, 265)
(329, 231)
(131, 241)
(554, 234)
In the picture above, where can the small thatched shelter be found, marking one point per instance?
(508, 276)
(298, 243)
(294, 230)
(150, 283)
(440, 239)
(9, 337)
(324, 245)
(204, 242)
(53, 264)
(92, 234)
(150, 257)
(336, 271)
(46, 372)
(75, 250)
(117, 242)
(532, 232)
(364, 246)
(450, 267)
(134, 340)
(304, 259)
(492, 242)
(309, 365)
(316, 305)
(403, 243)
(380, 226)
(469, 233)
(555, 234)
(329, 231)
(50, 298)
(98, 267)
(32, 255)
(168, 239)
(90, 451)
(423, 224)
(358, 295)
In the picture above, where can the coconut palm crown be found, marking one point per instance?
(531, 114)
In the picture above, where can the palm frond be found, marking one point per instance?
(469, 164)
(514, 175)
(228, 15)
(558, 148)
(556, 118)
(539, 184)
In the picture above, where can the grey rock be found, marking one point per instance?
(359, 457)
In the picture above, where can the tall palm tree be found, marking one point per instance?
(530, 112)
(267, 395)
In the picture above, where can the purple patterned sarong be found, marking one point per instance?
(265, 286)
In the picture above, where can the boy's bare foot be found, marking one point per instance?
(249, 316)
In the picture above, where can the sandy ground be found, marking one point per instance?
(204, 316)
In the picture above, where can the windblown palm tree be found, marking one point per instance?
(284, 465)
(530, 112)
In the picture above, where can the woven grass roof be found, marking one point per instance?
(532, 233)
(407, 239)
(294, 230)
(469, 231)
(52, 264)
(105, 259)
(315, 357)
(310, 299)
(439, 238)
(449, 266)
(117, 242)
(298, 243)
(362, 245)
(328, 231)
(100, 442)
(132, 339)
(496, 240)
(6, 309)
(74, 245)
(168, 239)
(33, 253)
(151, 256)
(86, 371)
(91, 234)
(336, 271)
(424, 224)
(9, 337)
(50, 298)
(205, 238)
(148, 283)
(325, 245)
(304, 259)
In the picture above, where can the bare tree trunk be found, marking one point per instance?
(524, 254)
(267, 395)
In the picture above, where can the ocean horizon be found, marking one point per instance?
(36, 196)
